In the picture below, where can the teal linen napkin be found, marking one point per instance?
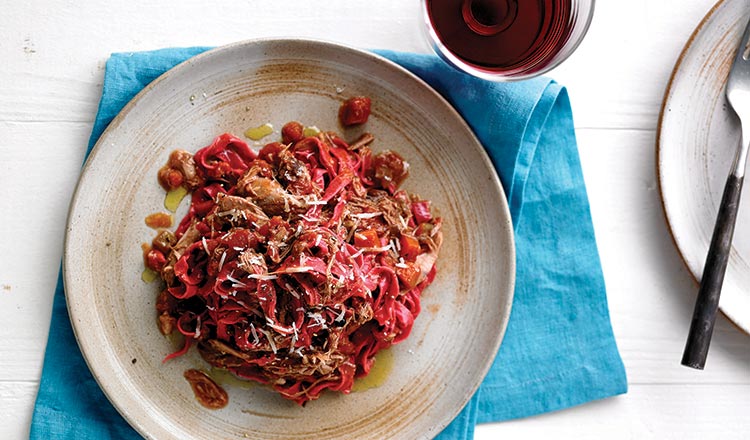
(558, 350)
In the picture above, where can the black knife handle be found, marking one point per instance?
(707, 304)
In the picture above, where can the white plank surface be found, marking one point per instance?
(53, 55)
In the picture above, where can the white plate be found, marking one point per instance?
(465, 310)
(697, 140)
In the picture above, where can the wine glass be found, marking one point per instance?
(506, 40)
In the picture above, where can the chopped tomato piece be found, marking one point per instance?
(409, 247)
(292, 132)
(270, 152)
(366, 239)
(354, 111)
(408, 274)
(158, 220)
(421, 211)
(170, 178)
(155, 260)
(174, 179)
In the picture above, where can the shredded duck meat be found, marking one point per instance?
(296, 265)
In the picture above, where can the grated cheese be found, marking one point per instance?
(235, 281)
(319, 321)
(378, 249)
(278, 328)
(341, 315)
(255, 334)
(198, 328)
(221, 261)
(300, 269)
(401, 263)
(366, 215)
(261, 276)
(270, 339)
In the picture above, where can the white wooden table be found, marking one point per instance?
(52, 56)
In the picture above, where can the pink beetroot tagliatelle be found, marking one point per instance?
(296, 265)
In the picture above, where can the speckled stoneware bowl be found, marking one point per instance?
(243, 85)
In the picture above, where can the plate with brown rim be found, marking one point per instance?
(697, 139)
(229, 89)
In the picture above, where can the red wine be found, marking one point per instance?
(503, 36)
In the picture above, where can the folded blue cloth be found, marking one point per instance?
(558, 350)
